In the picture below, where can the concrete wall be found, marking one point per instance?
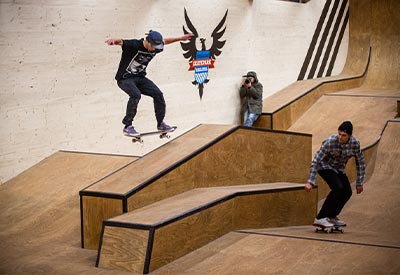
(57, 74)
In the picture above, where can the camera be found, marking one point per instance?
(247, 80)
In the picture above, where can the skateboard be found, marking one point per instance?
(162, 134)
(333, 229)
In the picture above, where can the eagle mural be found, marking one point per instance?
(202, 60)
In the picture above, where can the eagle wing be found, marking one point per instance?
(218, 32)
(189, 47)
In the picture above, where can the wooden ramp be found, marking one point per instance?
(208, 155)
(368, 114)
(369, 245)
(148, 238)
(39, 228)
(372, 65)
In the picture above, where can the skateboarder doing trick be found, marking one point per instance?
(131, 75)
(330, 162)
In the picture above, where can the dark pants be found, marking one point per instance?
(135, 86)
(338, 196)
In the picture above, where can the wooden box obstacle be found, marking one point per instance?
(148, 238)
(209, 155)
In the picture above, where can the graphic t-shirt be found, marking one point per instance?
(134, 59)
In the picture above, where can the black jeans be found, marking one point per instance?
(338, 196)
(135, 86)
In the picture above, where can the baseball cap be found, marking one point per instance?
(251, 74)
(155, 39)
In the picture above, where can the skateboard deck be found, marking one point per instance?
(162, 134)
(333, 229)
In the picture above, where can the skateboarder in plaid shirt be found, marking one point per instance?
(330, 162)
(131, 75)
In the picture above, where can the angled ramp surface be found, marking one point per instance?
(369, 245)
(368, 115)
(39, 229)
(155, 162)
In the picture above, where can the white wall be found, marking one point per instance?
(57, 74)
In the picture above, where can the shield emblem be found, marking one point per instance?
(201, 72)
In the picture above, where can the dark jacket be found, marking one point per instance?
(252, 97)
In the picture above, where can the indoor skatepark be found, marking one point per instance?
(202, 205)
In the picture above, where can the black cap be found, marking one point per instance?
(346, 127)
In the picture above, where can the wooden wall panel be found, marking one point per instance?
(123, 249)
(181, 237)
(274, 209)
(94, 211)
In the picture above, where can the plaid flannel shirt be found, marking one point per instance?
(334, 156)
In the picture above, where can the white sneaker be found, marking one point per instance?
(337, 222)
(324, 223)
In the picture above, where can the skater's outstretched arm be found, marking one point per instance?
(114, 41)
(170, 40)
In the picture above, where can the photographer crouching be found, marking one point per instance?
(251, 92)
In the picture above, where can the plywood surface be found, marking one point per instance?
(368, 115)
(238, 253)
(40, 224)
(195, 199)
(159, 160)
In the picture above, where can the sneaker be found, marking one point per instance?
(164, 127)
(337, 222)
(324, 223)
(130, 131)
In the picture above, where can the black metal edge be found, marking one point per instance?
(124, 205)
(101, 195)
(127, 225)
(275, 131)
(81, 216)
(380, 136)
(149, 251)
(100, 245)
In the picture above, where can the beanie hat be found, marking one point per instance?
(346, 127)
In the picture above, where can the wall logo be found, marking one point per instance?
(202, 60)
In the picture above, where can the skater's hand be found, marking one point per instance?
(359, 189)
(308, 187)
(186, 37)
(113, 41)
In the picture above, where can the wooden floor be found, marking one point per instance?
(39, 228)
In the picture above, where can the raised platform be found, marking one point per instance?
(209, 155)
(153, 236)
